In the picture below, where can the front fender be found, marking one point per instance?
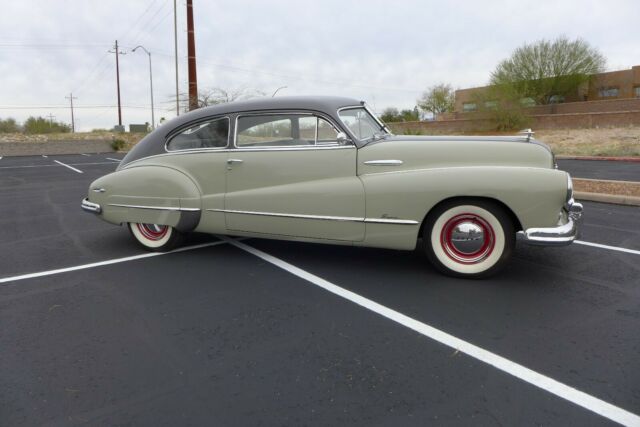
(534, 195)
(148, 194)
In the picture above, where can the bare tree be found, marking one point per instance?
(216, 95)
(547, 69)
(437, 99)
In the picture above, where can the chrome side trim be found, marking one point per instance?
(391, 221)
(90, 206)
(321, 217)
(383, 162)
(159, 208)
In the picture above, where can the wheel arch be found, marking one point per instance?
(462, 199)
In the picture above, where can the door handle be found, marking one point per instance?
(232, 161)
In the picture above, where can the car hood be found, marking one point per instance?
(417, 152)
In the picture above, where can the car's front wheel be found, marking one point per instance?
(155, 237)
(469, 238)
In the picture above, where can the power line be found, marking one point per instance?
(60, 106)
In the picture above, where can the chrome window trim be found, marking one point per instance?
(235, 150)
(320, 217)
(195, 123)
(364, 106)
(159, 208)
(286, 148)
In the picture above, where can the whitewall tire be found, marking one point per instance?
(469, 238)
(155, 237)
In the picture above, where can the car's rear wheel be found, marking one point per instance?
(469, 238)
(156, 237)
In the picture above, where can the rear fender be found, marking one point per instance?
(148, 194)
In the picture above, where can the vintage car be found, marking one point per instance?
(326, 170)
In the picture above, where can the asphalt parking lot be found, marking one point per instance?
(95, 331)
(601, 169)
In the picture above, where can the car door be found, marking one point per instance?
(200, 151)
(288, 176)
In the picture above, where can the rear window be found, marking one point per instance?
(210, 134)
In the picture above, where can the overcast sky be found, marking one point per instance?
(385, 52)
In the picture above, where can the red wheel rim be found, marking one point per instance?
(471, 257)
(153, 232)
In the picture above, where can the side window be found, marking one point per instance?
(212, 134)
(327, 134)
(284, 130)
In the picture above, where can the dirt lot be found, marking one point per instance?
(593, 142)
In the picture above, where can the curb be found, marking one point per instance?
(607, 158)
(608, 198)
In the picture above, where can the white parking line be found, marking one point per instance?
(67, 166)
(49, 166)
(611, 248)
(115, 160)
(548, 384)
(107, 262)
(45, 156)
(88, 155)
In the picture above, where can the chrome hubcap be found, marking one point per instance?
(467, 239)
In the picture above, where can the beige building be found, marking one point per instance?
(610, 85)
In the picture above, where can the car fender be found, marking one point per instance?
(148, 194)
(534, 195)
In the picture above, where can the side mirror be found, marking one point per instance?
(342, 138)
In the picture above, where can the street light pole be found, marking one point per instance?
(281, 87)
(153, 118)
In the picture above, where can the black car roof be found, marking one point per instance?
(154, 142)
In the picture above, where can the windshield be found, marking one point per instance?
(362, 124)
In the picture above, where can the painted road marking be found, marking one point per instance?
(541, 381)
(45, 156)
(88, 155)
(611, 248)
(107, 262)
(48, 166)
(115, 160)
(68, 166)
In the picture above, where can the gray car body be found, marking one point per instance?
(364, 193)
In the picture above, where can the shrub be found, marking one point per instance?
(118, 144)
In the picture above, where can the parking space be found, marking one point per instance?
(601, 169)
(216, 335)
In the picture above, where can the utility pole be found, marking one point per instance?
(191, 52)
(51, 117)
(73, 123)
(117, 52)
(175, 46)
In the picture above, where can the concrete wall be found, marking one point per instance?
(54, 147)
(542, 121)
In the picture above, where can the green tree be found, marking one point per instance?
(9, 126)
(42, 125)
(391, 114)
(437, 99)
(547, 69)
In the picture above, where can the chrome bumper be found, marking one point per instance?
(560, 235)
(90, 206)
